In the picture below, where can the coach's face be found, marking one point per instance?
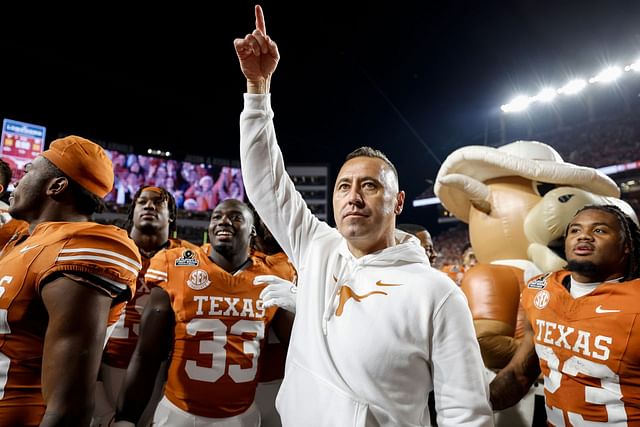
(366, 201)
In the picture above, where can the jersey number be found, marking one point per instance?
(216, 348)
(609, 394)
(120, 331)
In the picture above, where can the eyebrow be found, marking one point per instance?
(364, 178)
(235, 212)
(154, 198)
(590, 224)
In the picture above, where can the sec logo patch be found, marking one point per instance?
(541, 299)
(198, 280)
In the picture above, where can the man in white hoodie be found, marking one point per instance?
(376, 327)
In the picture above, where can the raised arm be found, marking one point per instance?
(258, 56)
(514, 381)
(267, 184)
(154, 344)
(72, 350)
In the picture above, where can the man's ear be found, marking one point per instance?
(1, 188)
(399, 202)
(253, 232)
(57, 185)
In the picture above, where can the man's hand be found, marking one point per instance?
(279, 292)
(258, 56)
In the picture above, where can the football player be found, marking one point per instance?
(151, 220)
(62, 281)
(583, 332)
(207, 313)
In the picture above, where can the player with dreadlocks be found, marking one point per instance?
(630, 235)
(583, 331)
(151, 222)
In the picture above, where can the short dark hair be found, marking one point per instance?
(165, 195)
(85, 202)
(5, 176)
(252, 214)
(630, 233)
(372, 152)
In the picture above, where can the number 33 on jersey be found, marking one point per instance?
(219, 332)
(589, 351)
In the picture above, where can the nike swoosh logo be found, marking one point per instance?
(28, 248)
(601, 310)
(379, 283)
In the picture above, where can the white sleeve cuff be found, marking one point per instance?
(255, 101)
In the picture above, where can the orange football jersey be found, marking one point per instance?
(85, 248)
(220, 329)
(125, 335)
(589, 350)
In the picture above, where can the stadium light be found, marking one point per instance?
(633, 67)
(519, 103)
(546, 95)
(607, 75)
(573, 87)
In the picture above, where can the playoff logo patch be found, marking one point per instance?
(539, 283)
(188, 259)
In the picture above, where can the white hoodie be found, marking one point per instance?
(401, 330)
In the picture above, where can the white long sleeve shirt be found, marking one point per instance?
(372, 335)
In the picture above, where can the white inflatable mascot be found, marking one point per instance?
(517, 200)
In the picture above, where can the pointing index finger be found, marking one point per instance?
(260, 24)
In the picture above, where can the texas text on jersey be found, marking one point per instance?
(220, 329)
(588, 350)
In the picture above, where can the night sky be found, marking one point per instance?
(415, 79)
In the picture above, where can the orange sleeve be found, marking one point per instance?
(104, 252)
(158, 272)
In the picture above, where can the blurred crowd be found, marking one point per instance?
(196, 187)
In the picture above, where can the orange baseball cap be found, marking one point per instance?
(83, 161)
